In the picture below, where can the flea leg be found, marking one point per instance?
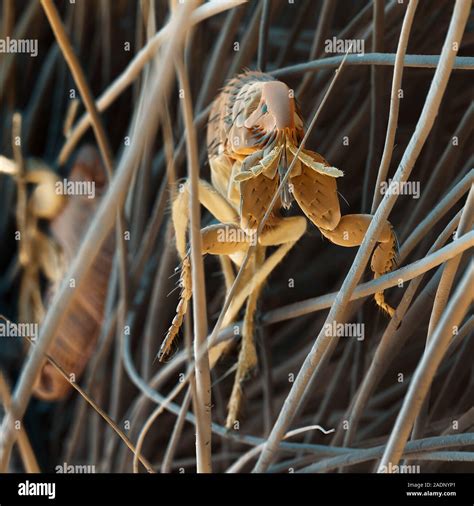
(210, 198)
(248, 353)
(218, 206)
(286, 234)
(220, 239)
(350, 231)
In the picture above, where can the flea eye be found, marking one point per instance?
(264, 108)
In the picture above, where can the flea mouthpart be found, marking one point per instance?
(285, 194)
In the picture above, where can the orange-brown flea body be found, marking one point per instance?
(77, 336)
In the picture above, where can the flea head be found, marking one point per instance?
(276, 115)
(275, 110)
